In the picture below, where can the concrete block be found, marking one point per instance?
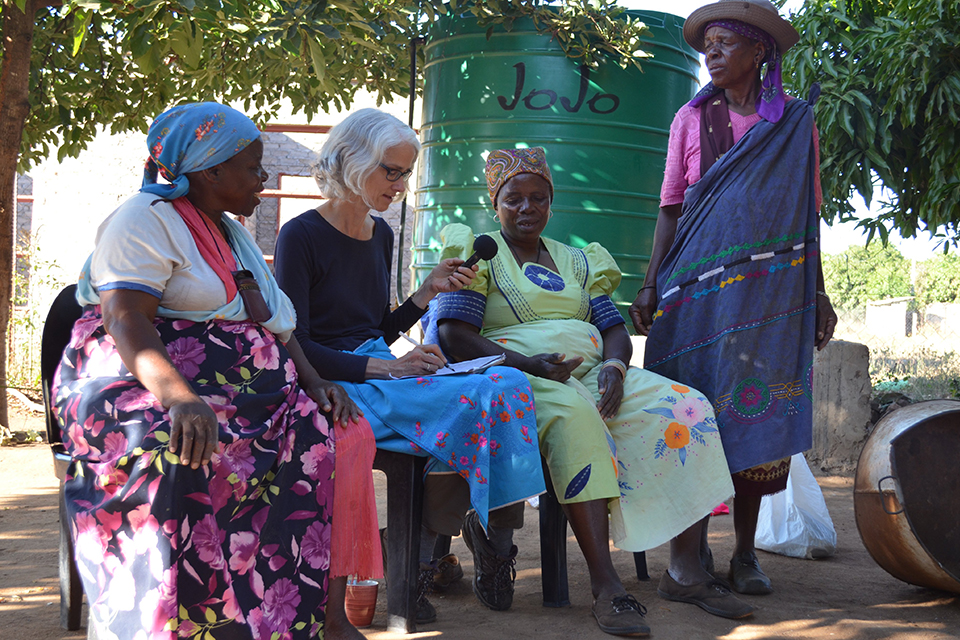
(841, 406)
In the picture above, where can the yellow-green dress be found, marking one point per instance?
(660, 461)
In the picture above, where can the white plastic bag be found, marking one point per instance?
(795, 522)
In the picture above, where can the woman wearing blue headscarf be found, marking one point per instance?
(201, 495)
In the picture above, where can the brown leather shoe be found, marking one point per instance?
(621, 615)
(747, 577)
(448, 571)
(712, 596)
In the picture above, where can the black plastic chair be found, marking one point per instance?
(56, 335)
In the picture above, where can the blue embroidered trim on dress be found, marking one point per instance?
(604, 314)
(467, 306)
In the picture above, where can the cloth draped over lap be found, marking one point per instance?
(480, 426)
(736, 310)
(237, 548)
(659, 462)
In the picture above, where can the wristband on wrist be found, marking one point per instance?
(617, 364)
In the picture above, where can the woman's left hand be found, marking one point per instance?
(333, 399)
(610, 384)
(826, 321)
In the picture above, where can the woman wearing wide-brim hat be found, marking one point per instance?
(733, 302)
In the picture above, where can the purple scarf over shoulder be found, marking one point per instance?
(771, 99)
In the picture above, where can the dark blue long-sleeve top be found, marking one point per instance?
(340, 288)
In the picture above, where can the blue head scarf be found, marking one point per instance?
(193, 137)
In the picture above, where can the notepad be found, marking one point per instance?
(477, 365)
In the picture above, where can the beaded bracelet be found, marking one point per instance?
(617, 364)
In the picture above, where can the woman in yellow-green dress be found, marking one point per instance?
(617, 439)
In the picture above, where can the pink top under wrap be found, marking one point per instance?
(683, 153)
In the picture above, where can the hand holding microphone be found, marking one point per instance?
(452, 274)
(484, 248)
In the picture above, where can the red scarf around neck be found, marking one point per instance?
(213, 247)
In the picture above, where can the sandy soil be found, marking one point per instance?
(847, 597)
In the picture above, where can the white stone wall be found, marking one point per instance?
(841, 406)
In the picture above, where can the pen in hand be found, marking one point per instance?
(409, 339)
(417, 344)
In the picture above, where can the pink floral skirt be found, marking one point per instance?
(239, 548)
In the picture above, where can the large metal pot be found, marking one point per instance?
(907, 494)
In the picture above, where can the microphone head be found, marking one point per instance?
(485, 247)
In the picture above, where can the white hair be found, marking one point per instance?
(354, 150)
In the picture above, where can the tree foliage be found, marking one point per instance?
(861, 274)
(118, 64)
(938, 280)
(591, 31)
(890, 75)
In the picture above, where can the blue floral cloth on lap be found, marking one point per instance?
(481, 426)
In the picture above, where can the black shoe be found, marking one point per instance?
(746, 576)
(493, 575)
(426, 612)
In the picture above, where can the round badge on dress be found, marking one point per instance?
(543, 277)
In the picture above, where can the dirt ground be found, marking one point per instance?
(846, 597)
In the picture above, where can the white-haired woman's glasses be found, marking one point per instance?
(395, 174)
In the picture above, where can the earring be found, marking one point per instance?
(551, 214)
(496, 217)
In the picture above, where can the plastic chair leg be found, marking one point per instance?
(553, 552)
(404, 506)
(71, 590)
(442, 547)
(640, 560)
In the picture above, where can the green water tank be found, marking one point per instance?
(605, 134)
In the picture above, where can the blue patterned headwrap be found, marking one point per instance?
(192, 137)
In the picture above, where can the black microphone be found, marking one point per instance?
(484, 248)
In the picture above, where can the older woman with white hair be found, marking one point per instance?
(334, 264)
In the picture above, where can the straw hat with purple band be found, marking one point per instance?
(759, 13)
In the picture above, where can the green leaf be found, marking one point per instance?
(316, 55)
(327, 30)
(221, 379)
(80, 30)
